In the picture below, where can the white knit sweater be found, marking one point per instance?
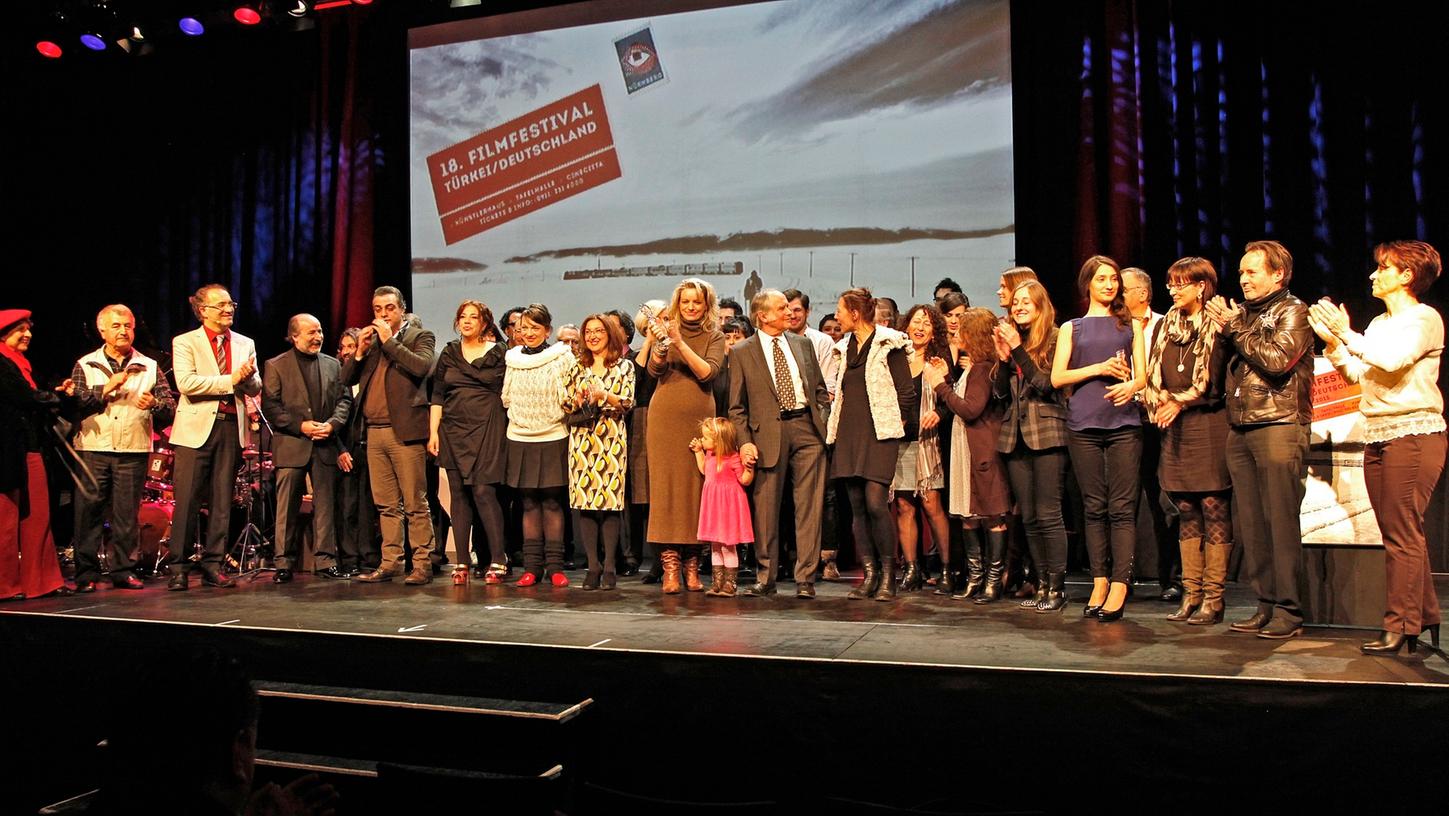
(533, 393)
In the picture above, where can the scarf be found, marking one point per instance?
(1181, 330)
(928, 455)
(20, 362)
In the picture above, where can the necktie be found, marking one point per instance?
(784, 386)
(223, 363)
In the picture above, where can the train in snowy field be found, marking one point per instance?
(663, 271)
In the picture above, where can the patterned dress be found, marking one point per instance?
(599, 440)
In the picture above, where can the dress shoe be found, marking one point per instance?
(559, 579)
(332, 572)
(805, 590)
(1280, 629)
(649, 578)
(591, 579)
(83, 587)
(1103, 616)
(525, 580)
(757, 590)
(217, 578)
(282, 576)
(180, 580)
(1172, 594)
(59, 592)
(379, 576)
(419, 576)
(631, 567)
(460, 576)
(1389, 643)
(1254, 623)
(127, 581)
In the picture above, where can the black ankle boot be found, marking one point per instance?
(1038, 597)
(1056, 596)
(995, 566)
(946, 584)
(868, 584)
(911, 579)
(887, 591)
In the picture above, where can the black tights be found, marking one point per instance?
(480, 500)
(543, 529)
(598, 529)
(1204, 516)
(872, 523)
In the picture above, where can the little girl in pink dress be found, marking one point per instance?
(724, 510)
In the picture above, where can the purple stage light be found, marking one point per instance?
(191, 26)
(93, 42)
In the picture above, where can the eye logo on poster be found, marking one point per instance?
(639, 60)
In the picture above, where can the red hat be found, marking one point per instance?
(10, 317)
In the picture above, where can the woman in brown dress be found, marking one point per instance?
(686, 350)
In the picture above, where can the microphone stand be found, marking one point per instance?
(244, 551)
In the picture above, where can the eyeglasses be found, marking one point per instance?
(225, 306)
(1173, 287)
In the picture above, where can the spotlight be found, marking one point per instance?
(299, 8)
(191, 27)
(93, 41)
(362, 2)
(48, 49)
(248, 13)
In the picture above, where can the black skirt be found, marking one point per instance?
(536, 465)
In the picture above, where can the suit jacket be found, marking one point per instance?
(286, 404)
(200, 387)
(410, 356)
(754, 408)
(1033, 406)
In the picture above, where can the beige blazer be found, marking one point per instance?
(199, 382)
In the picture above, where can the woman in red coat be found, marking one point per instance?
(28, 564)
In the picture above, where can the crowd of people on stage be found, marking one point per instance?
(725, 433)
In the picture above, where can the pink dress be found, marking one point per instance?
(724, 510)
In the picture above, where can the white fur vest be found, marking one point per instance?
(885, 409)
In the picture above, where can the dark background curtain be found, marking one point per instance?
(1148, 131)
(258, 160)
(275, 163)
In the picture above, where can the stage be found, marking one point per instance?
(900, 704)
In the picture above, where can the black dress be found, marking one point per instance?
(1194, 447)
(858, 453)
(472, 434)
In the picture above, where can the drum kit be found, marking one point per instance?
(158, 505)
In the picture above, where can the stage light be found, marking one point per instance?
(248, 13)
(362, 2)
(299, 8)
(93, 41)
(191, 26)
(48, 49)
(464, 3)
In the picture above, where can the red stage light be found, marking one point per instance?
(48, 49)
(362, 2)
(246, 16)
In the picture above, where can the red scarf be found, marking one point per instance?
(20, 362)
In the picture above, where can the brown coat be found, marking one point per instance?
(680, 403)
(981, 415)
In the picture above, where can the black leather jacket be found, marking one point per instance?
(1270, 372)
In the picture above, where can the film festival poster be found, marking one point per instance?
(639, 60)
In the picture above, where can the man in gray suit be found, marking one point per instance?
(303, 399)
(778, 405)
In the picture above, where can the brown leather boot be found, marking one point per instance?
(1192, 578)
(669, 558)
(1214, 574)
(829, 571)
(727, 589)
(716, 585)
(691, 571)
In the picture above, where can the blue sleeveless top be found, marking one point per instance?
(1094, 339)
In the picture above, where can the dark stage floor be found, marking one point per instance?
(919, 629)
